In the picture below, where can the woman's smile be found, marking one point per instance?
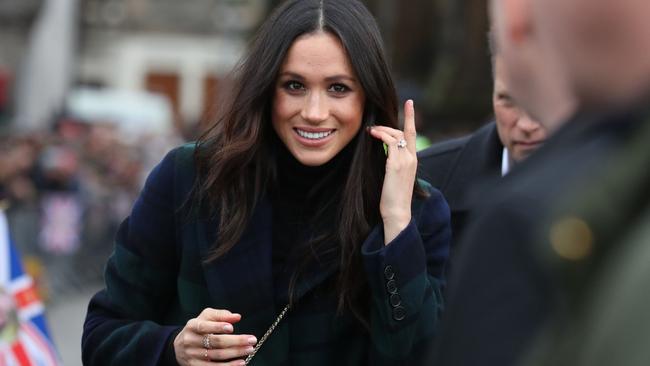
(314, 137)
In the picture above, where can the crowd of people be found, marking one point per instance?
(65, 192)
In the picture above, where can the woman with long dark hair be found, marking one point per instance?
(294, 231)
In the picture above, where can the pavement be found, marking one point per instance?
(65, 318)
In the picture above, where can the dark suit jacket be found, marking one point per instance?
(457, 166)
(500, 291)
(156, 281)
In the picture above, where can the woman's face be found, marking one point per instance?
(318, 103)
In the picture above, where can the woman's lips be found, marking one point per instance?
(314, 137)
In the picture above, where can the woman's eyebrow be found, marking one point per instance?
(338, 77)
(292, 75)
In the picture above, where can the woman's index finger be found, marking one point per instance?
(410, 133)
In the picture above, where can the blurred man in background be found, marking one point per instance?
(459, 165)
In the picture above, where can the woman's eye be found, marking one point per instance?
(339, 88)
(293, 86)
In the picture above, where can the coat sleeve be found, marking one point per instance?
(124, 323)
(406, 278)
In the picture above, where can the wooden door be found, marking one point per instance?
(167, 84)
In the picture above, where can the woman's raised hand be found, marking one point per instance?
(208, 340)
(401, 170)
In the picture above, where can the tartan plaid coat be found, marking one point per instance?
(156, 281)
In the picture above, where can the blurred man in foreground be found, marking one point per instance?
(552, 255)
(456, 167)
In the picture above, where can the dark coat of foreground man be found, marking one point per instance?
(457, 166)
(502, 288)
(603, 235)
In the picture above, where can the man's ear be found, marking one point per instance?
(518, 20)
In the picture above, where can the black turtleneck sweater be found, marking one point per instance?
(305, 206)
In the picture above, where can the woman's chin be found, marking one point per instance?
(313, 158)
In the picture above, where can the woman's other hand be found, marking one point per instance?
(401, 170)
(208, 340)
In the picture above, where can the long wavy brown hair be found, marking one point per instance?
(234, 157)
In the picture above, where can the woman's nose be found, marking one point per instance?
(315, 108)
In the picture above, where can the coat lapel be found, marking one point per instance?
(479, 161)
(241, 281)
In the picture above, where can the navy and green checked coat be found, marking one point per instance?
(156, 281)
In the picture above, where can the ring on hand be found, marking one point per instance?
(206, 343)
(207, 358)
(401, 144)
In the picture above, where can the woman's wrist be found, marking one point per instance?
(393, 226)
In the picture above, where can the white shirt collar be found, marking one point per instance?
(505, 162)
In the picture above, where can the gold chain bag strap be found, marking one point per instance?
(267, 334)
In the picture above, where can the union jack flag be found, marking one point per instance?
(24, 337)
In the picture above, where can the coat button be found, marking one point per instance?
(395, 300)
(399, 313)
(389, 273)
(391, 287)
